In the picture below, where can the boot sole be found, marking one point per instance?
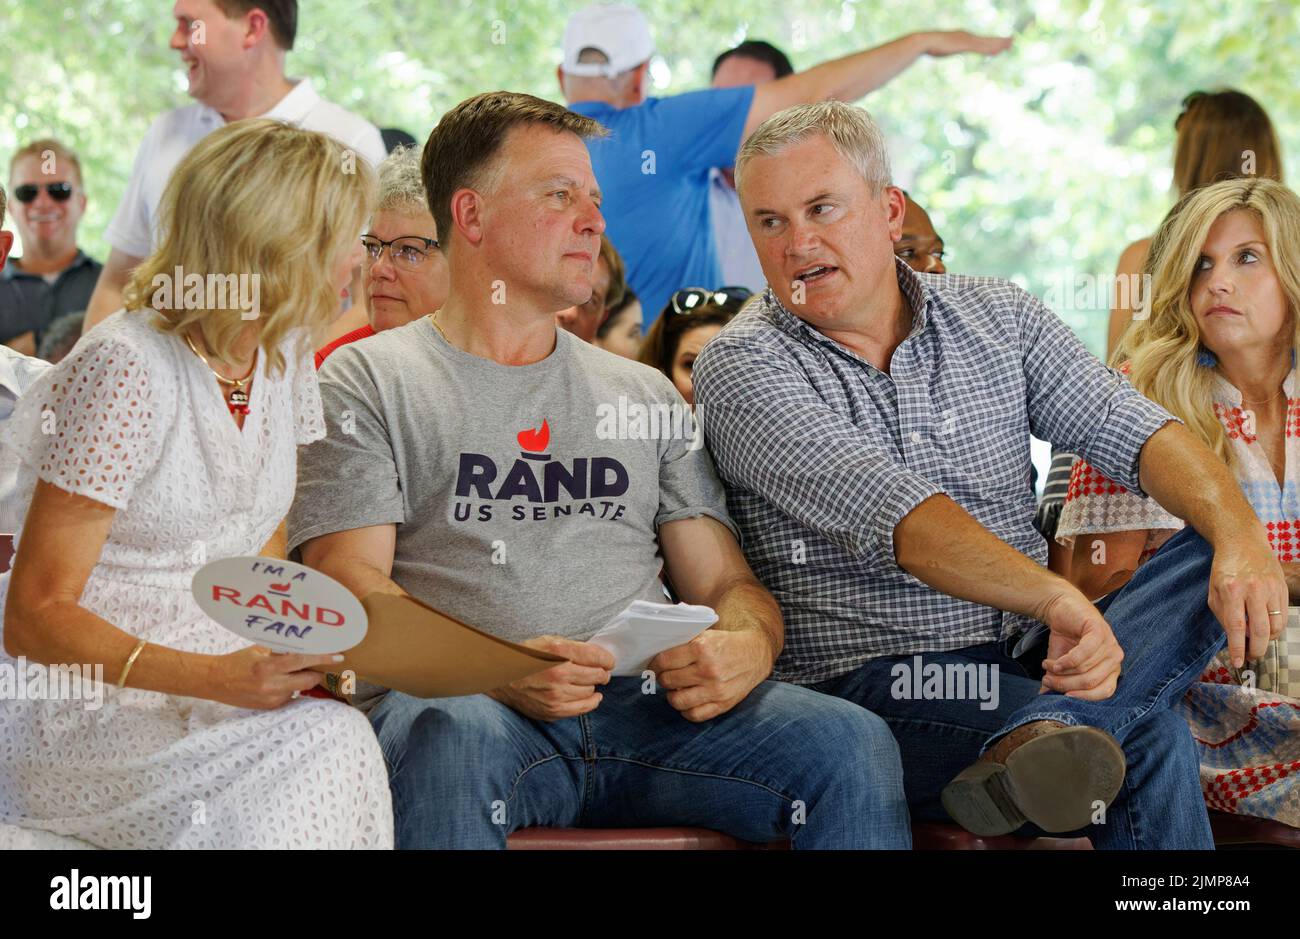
(1057, 781)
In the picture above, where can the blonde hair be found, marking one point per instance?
(1164, 349)
(850, 130)
(265, 199)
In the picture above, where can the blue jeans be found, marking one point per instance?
(1161, 620)
(784, 763)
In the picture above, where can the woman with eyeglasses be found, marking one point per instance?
(692, 317)
(404, 271)
(1221, 135)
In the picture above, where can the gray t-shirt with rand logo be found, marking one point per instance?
(526, 498)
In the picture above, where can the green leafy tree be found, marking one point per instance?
(1038, 165)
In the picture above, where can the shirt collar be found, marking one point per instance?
(918, 295)
(12, 270)
(910, 283)
(291, 109)
(1226, 393)
(297, 104)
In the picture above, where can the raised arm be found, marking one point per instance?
(852, 76)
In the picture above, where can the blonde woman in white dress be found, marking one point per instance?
(165, 440)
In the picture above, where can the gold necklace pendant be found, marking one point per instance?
(238, 400)
(237, 382)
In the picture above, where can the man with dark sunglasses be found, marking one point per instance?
(53, 276)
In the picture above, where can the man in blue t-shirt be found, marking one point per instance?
(654, 167)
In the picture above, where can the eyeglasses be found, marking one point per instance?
(409, 251)
(690, 299)
(59, 192)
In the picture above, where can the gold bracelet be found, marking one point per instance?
(135, 654)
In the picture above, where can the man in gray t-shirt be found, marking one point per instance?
(511, 475)
(496, 475)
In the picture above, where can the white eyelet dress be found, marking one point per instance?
(133, 419)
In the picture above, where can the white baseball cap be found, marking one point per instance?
(618, 30)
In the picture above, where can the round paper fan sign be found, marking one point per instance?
(281, 605)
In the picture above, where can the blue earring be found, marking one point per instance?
(1206, 359)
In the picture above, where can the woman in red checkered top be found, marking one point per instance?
(1216, 349)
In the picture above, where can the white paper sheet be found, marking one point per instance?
(645, 629)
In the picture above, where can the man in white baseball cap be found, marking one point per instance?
(654, 167)
(619, 31)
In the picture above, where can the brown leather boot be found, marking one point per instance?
(1044, 772)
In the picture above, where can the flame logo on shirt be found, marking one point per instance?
(591, 483)
(535, 441)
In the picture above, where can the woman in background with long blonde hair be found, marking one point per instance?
(166, 439)
(1220, 135)
(1217, 350)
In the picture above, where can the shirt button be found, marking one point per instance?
(916, 436)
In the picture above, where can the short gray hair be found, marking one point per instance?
(3, 202)
(401, 188)
(851, 131)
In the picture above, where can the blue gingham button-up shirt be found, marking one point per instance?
(823, 455)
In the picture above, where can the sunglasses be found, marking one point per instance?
(59, 192)
(690, 299)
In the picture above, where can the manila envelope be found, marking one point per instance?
(411, 647)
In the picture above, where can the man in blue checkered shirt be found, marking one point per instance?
(872, 426)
